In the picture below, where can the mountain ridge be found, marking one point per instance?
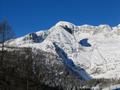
(100, 60)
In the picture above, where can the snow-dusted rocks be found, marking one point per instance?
(101, 59)
(65, 24)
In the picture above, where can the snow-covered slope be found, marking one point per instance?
(98, 54)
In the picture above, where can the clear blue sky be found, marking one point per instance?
(27, 16)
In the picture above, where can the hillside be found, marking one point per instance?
(21, 69)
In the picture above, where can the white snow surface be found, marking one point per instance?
(100, 60)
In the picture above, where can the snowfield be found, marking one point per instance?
(101, 58)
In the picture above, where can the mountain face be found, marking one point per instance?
(95, 49)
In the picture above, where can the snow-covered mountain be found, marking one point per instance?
(93, 48)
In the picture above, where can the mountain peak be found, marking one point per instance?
(65, 24)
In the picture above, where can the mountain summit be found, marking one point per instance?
(88, 50)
